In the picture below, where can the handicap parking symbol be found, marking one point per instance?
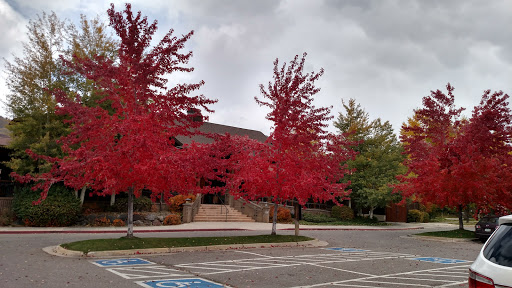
(346, 249)
(439, 260)
(180, 283)
(121, 262)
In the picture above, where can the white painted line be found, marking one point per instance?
(349, 285)
(419, 279)
(260, 255)
(393, 283)
(146, 272)
(343, 270)
(418, 272)
(444, 275)
(246, 269)
(453, 284)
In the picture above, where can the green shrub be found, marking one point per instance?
(141, 204)
(342, 213)
(414, 215)
(60, 208)
(425, 217)
(317, 218)
(6, 217)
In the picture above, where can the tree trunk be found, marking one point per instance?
(274, 220)
(461, 222)
(82, 195)
(371, 212)
(296, 220)
(130, 213)
(112, 199)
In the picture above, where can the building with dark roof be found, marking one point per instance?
(212, 128)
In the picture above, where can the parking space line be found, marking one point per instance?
(146, 272)
(420, 279)
(393, 283)
(261, 255)
(373, 279)
(352, 285)
(453, 284)
(342, 270)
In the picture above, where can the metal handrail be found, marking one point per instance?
(225, 206)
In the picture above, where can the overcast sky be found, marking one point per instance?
(386, 55)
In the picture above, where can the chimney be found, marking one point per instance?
(195, 115)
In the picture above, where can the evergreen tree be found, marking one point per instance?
(33, 76)
(379, 159)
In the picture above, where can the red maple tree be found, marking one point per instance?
(125, 143)
(300, 160)
(454, 162)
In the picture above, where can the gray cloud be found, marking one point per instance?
(385, 54)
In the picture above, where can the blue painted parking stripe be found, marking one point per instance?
(121, 262)
(181, 283)
(439, 260)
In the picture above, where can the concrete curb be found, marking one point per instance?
(84, 231)
(122, 230)
(62, 252)
(354, 229)
(439, 239)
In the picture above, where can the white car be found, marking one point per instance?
(493, 266)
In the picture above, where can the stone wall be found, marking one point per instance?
(139, 218)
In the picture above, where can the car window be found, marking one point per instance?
(499, 248)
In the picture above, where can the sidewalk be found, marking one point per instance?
(205, 226)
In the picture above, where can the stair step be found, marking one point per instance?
(217, 213)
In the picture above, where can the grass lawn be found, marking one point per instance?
(124, 243)
(453, 220)
(451, 234)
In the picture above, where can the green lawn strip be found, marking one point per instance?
(124, 243)
(450, 234)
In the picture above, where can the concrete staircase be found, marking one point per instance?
(217, 213)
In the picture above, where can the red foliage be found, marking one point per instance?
(126, 140)
(454, 163)
(299, 160)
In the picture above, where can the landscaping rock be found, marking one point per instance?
(156, 222)
(150, 217)
(138, 223)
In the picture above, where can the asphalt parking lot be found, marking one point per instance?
(314, 267)
(352, 259)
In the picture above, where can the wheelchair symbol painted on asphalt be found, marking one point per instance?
(121, 262)
(180, 283)
(439, 260)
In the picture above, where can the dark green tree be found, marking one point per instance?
(379, 159)
(32, 76)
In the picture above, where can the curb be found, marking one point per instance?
(439, 239)
(355, 229)
(62, 252)
(116, 231)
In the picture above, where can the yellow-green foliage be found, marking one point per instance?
(342, 213)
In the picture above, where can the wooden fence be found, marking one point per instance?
(5, 203)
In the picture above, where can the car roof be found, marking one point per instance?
(506, 219)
